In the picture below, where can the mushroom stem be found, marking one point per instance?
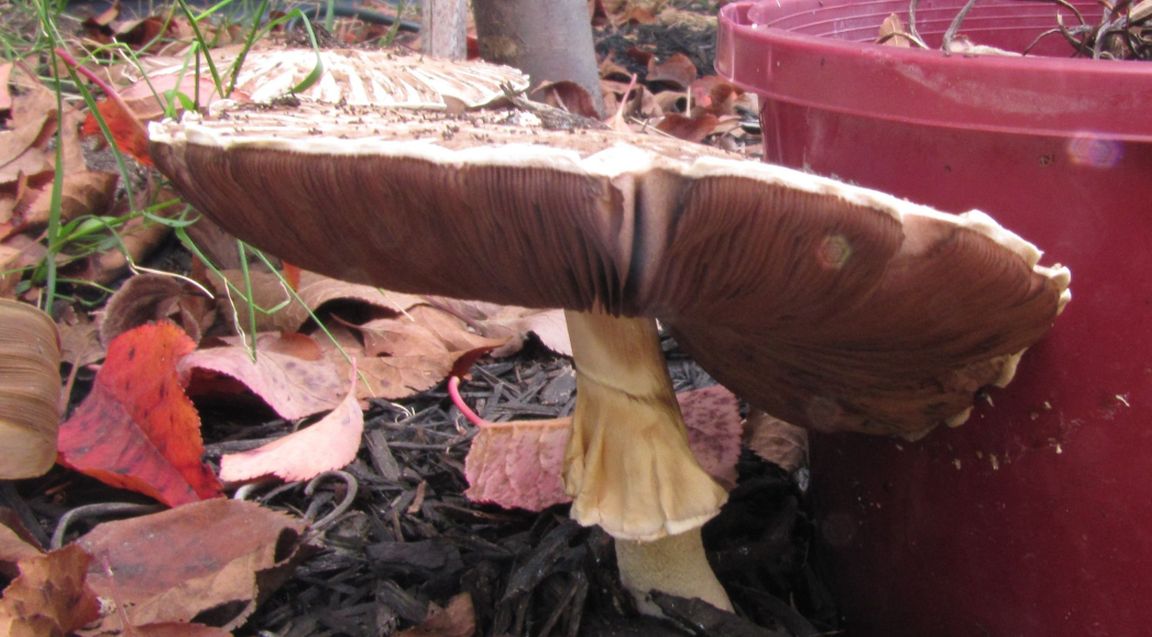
(675, 564)
(628, 466)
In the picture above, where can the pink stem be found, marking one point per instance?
(458, 400)
(86, 72)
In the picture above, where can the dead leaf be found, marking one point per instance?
(83, 193)
(169, 629)
(79, 339)
(174, 565)
(5, 96)
(566, 95)
(30, 126)
(137, 429)
(50, 597)
(331, 443)
(14, 548)
(457, 619)
(712, 415)
(692, 129)
(892, 32)
(147, 297)
(314, 290)
(29, 390)
(676, 73)
(402, 358)
(140, 236)
(776, 441)
(519, 464)
(293, 387)
(17, 253)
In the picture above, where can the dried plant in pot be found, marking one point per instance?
(831, 305)
(1029, 519)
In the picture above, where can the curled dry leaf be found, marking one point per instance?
(776, 441)
(137, 429)
(676, 73)
(293, 386)
(314, 291)
(518, 464)
(172, 566)
(145, 298)
(29, 390)
(330, 443)
(50, 597)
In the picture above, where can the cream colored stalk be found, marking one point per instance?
(628, 466)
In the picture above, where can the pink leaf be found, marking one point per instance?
(293, 387)
(330, 443)
(518, 464)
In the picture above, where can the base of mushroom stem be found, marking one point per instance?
(675, 564)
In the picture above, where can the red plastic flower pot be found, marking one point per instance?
(1035, 517)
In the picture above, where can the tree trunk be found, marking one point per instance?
(550, 40)
(444, 30)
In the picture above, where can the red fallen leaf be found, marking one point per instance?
(330, 443)
(137, 429)
(518, 464)
(172, 566)
(127, 131)
(50, 597)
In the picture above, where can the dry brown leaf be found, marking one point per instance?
(30, 125)
(140, 236)
(17, 253)
(892, 32)
(171, 566)
(84, 193)
(314, 290)
(5, 96)
(13, 549)
(50, 597)
(29, 390)
(457, 619)
(776, 441)
(328, 444)
(168, 629)
(151, 297)
(692, 129)
(676, 73)
(293, 387)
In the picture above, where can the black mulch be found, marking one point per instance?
(409, 538)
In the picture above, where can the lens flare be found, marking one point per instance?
(1094, 152)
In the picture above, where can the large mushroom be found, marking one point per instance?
(829, 305)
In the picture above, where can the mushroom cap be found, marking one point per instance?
(828, 305)
(362, 77)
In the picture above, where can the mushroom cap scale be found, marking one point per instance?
(378, 77)
(825, 304)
